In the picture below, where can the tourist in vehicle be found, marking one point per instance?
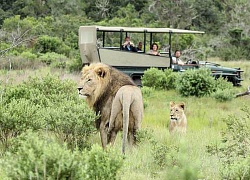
(139, 46)
(154, 50)
(128, 45)
(176, 58)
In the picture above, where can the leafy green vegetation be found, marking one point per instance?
(45, 104)
(40, 156)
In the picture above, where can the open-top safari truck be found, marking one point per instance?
(95, 46)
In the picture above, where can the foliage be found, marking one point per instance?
(195, 82)
(233, 150)
(37, 156)
(18, 116)
(28, 55)
(101, 164)
(144, 135)
(54, 60)
(232, 53)
(223, 90)
(210, 15)
(74, 65)
(159, 79)
(69, 123)
(224, 95)
(183, 41)
(173, 159)
(46, 44)
(47, 103)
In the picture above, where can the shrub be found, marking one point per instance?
(16, 117)
(46, 44)
(36, 156)
(175, 162)
(171, 78)
(232, 53)
(28, 55)
(223, 90)
(52, 103)
(74, 65)
(101, 164)
(72, 122)
(159, 79)
(54, 59)
(144, 135)
(223, 95)
(195, 82)
(233, 150)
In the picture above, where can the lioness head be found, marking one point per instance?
(93, 81)
(176, 111)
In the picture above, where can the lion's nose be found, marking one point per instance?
(79, 88)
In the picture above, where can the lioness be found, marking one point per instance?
(178, 120)
(127, 111)
(99, 84)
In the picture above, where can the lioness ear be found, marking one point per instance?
(100, 71)
(182, 105)
(172, 104)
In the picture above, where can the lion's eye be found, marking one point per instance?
(89, 80)
(176, 110)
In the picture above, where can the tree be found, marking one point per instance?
(210, 16)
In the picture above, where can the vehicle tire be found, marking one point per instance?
(137, 81)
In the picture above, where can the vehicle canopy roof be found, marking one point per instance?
(144, 29)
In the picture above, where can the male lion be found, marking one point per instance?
(178, 120)
(99, 84)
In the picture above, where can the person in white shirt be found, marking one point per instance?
(176, 58)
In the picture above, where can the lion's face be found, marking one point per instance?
(93, 82)
(176, 111)
(88, 84)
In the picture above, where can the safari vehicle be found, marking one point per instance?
(94, 48)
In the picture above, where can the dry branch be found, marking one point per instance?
(244, 93)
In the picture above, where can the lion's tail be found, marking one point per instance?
(126, 108)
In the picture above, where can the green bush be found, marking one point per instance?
(171, 78)
(146, 93)
(224, 95)
(37, 156)
(74, 65)
(101, 164)
(40, 157)
(51, 102)
(175, 162)
(46, 44)
(233, 150)
(195, 82)
(144, 135)
(54, 59)
(72, 122)
(18, 116)
(232, 53)
(223, 90)
(159, 79)
(28, 55)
